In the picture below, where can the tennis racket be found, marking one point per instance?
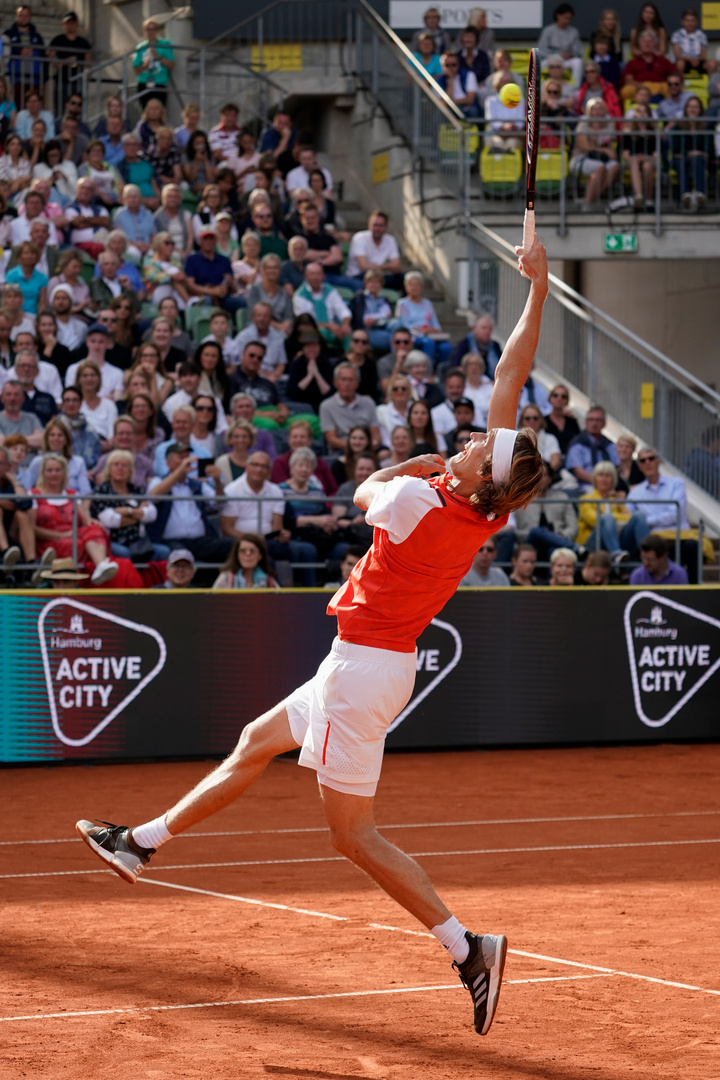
(531, 145)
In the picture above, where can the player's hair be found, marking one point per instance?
(522, 485)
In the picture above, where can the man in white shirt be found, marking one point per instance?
(375, 249)
(315, 297)
(22, 224)
(223, 137)
(443, 415)
(241, 516)
(299, 177)
(98, 342)
(266, 518)
(71, 331)
(259, 329)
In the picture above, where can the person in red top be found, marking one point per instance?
(427, 530)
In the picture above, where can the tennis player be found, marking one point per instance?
(426, 533)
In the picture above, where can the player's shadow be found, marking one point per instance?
(289, 1070)
(422, 1053)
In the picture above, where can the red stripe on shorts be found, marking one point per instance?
(327, 736)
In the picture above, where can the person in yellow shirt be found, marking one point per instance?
(620, 532)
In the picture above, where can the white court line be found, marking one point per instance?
(570, 963)
(425, 933)
(413, 854)
(283, 1000)
(405, 825)
(242, 899)
(613, 971)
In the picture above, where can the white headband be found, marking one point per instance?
(503, 453)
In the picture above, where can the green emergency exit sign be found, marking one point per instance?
(617, 242)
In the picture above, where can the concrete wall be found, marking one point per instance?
(675, 305)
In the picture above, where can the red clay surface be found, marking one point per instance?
(80, 940)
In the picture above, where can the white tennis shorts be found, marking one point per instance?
(340, 717)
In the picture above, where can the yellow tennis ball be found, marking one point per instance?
(510, 95)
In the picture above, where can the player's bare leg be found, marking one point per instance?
(479, 959)
(127, 851)
(260, 742)
(353, 833)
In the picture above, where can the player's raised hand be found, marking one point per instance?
(533, 263)
(424, 465)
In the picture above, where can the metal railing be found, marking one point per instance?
(658, 400)
(313, 497)
(683, 173)
(205, 76)
(372, 56)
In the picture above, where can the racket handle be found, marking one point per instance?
(528, 230)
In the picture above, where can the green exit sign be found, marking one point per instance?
(621, 242)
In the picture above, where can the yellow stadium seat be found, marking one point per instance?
(501, 172)
(552, 166)
(449, 140)
(519, 61)
(698, 85)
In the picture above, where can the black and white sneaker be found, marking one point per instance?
(481, 974)
(115, 846)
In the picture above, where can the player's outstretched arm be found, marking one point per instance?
(424, 465)
(514, 366)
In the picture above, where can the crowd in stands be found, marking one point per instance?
(198, 354)
(599, 99)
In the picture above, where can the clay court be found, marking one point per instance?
(249, 949)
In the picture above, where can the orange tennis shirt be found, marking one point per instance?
(424, 542)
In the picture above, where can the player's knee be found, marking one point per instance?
(249, 746)
(350, 839)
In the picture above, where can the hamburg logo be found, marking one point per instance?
(673, 650)
(439, 651)
(95, 665)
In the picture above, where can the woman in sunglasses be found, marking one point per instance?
(560, 421)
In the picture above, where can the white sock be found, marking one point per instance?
(451, 934)
(152, 834)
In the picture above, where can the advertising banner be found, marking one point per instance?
(502, 15)
(92, 675)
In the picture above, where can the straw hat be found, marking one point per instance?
(64, 570)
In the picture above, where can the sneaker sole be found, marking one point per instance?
(107, 575)
(12, 558)
(107, 856)
(496, 974)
